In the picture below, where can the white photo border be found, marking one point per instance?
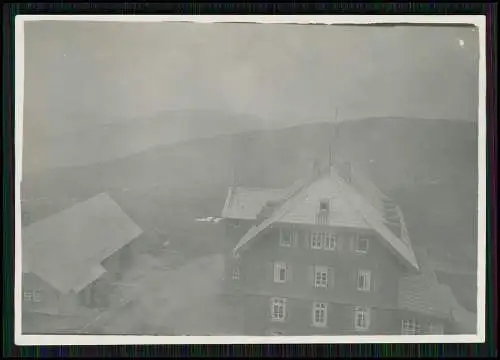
(479, 21)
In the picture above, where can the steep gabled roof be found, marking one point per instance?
(66, 249)
(347, 208)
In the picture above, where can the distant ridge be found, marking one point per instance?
(116, 139)
(428, 167)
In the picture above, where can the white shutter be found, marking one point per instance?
(368, 315)
(331, 278)
(311, 275)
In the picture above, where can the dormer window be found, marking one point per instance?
(236, 273)
(323, 214)
(362, 245)
(324, 206)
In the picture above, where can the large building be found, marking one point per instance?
(331, 255)
(70, 259)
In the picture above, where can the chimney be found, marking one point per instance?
(345, 171)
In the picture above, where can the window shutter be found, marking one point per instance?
(289, 272)
(368, 317)
(331, 278)
(352, 243)
(354, 278)
(306, 238)
(296, 236)
(311, 276)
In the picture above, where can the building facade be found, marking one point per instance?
(72, 259)
(324, 258)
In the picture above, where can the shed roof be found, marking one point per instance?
(66, 249)
(423, 293)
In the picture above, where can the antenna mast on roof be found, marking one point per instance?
(235, 179)
(334, 137)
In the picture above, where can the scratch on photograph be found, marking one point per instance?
(267, 182)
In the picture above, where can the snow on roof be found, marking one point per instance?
(348, 208)
(246, 203)
(66, 249)
(423, 293)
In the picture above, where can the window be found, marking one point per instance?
(320, 240)
(317, 240)
(330, 241)
(236, 273)
(322, 217)
(278, 309)
(320, 314)
(362, 245)
(364, 280)
(28, 296)
(32, 296)
(287, 237)
(276, 333)
(324, 205)
(280, 272)
(408, 327)
(361, 318)
(320, 276)
(435, 329)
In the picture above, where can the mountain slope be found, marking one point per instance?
(93, 142)
(428, 167)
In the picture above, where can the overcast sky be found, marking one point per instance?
(112, 71)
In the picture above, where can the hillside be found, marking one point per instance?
(429, 167)
(61, 145)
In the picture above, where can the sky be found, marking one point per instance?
(84, 74)
(124, 70)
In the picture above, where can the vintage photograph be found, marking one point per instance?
(249, 179)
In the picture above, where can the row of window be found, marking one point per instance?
(322, 276)
(412, 327)
(361, 317)
(32, 296)
(319, 314)
(320, 240)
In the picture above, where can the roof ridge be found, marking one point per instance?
(81, 222)
(368, 211)
(351, 192)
